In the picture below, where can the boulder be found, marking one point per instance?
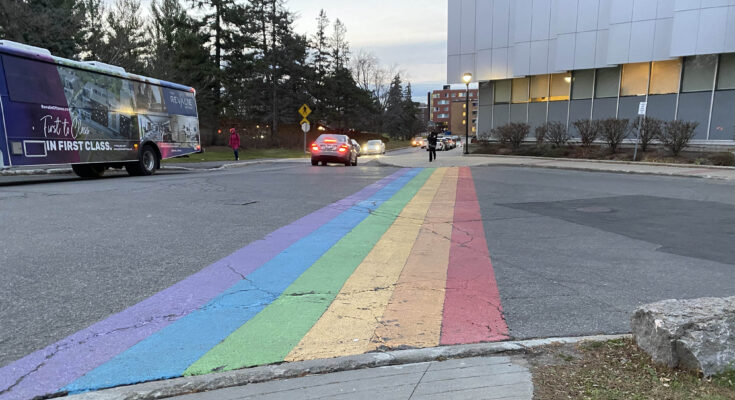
(696, 334)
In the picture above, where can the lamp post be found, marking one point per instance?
(467, 78)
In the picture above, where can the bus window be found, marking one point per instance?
(32, 81)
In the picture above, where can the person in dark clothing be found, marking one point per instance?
(432, 139)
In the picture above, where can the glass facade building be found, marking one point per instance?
(566, 60)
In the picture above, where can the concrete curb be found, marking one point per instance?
(530, 164)
(613, 162)
(39, 171)
(215, 381)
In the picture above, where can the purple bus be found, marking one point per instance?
(91, 115)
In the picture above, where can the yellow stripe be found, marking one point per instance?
(350, 321)
(413, 317)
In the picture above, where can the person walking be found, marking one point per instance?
(235, 143)
(432, 139)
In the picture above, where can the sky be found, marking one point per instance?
(409, 34)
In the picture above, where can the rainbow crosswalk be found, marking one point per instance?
(402, 263)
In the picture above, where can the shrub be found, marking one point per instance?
(677, 134)
(512, 133)
(588, 131)
(540, 134)
(648, 129)
(614, 131)
(724, 158)
(557, 133)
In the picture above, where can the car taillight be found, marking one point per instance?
(343, 148)
(315, 147)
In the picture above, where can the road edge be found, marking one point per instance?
(221, 380)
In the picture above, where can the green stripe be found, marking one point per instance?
(271, 335)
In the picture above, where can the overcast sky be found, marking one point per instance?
(411, 34)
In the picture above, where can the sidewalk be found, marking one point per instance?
(471, 378)
(456, 158)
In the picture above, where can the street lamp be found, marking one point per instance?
(467, 78)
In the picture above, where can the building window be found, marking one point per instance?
(635, 79)
(540, 88)
(582, 84)
(726, 76)
(520, 90)
(560, 85)
(502, 91)
(699, 73)
(435, 95)
(607, 82)
(665, 77)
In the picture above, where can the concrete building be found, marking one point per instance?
(447, 109)
(565, 60)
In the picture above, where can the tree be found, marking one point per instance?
(56, 25)
(126, 40)
(411, 121)
(393, 121)
(340, 46)
(94, 32)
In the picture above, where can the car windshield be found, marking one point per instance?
(374, 142)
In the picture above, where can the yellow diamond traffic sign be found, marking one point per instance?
(304, 121)
(304, 111)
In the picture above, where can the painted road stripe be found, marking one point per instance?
(167, 353)
(273, 333)
(413, 317)
(472, 309)
(47, 370)
(349, 323)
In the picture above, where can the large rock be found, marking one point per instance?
(695, 334)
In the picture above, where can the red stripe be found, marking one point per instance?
(472, 309)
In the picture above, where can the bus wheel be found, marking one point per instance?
(146, 164)
(89, 171)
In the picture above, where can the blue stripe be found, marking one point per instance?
(169, 352)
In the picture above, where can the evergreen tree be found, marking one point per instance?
(340, 46)
(126, 43)
(94, 32)
(393, 119)
(410, 112)
(56, 25)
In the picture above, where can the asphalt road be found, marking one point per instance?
(573, 252)
(73, 251)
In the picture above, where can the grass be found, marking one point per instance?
(618, 369)
(226, 154)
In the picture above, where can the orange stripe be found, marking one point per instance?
(414, 314)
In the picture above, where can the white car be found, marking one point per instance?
(374, 147)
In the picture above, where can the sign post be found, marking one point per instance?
(641, 114)
(305, 125)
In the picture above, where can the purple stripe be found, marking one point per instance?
(55, 366)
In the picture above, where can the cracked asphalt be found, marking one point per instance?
(573, 253)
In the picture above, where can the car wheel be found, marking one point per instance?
(324, 163)
(354, 164)
(314, 162)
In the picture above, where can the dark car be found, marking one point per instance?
(333, 149)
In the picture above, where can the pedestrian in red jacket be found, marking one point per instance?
(235, 143)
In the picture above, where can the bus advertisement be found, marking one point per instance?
(90, 115)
